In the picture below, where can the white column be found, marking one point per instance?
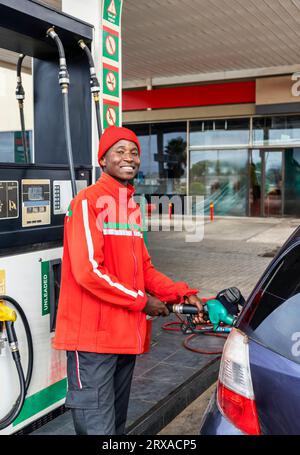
(90, 11)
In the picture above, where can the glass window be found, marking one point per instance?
(12, 140)
(163, 158)
(255, 182)
(221, 176)
(143, 134)
(276, 130)
(220, 132)
(273, 317)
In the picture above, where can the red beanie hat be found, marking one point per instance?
(114, 134)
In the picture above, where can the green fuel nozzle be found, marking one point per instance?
(218, 313)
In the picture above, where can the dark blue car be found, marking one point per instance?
(258, 389)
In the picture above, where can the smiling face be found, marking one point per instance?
(121, 161)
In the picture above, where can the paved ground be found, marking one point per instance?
(231, 253)
(234, 252)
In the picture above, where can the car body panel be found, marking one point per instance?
(276, 385)
(214, 423)
(275, 375)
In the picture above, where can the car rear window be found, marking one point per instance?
(273, 318)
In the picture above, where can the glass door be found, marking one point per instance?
(221, 177)
(273, 183)
(265, 182)
(255, 182)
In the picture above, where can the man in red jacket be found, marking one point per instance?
(106, 273)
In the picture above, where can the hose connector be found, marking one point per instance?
(51, 32)
(20, 93)
(12, 339)
(82, 44)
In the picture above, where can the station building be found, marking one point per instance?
(211, 89)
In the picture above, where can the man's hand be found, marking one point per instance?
(154, 307)
(194, 300)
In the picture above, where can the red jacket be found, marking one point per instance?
(106, 271)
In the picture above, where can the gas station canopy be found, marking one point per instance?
(183, 41)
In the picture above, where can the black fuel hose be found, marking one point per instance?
(20, 95)
(68, 141)
(94, 83)
(64, 83)
(24, 382)
(98, 117)
(88, 54)
(19, 64)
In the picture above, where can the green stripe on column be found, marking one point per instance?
(42, 400)
(45, 288)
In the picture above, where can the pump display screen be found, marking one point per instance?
(35, 202)
(35, 193)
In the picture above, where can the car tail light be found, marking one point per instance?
(235, 391)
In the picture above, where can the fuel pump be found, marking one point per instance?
(34, 197)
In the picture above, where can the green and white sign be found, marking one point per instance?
(111, 64)
(112, 11)
(111, 79)
(45, 287)
(111, 115)
(111, 46)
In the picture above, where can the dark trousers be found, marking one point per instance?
(98, 391)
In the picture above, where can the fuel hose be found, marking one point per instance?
(20, 95)
(13, 343)
(180, 325)
(64, 82)
(94, 84)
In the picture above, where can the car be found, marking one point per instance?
(258, 389)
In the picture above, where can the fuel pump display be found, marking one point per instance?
(35, 202)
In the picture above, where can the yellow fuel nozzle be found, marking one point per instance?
(6, 313)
